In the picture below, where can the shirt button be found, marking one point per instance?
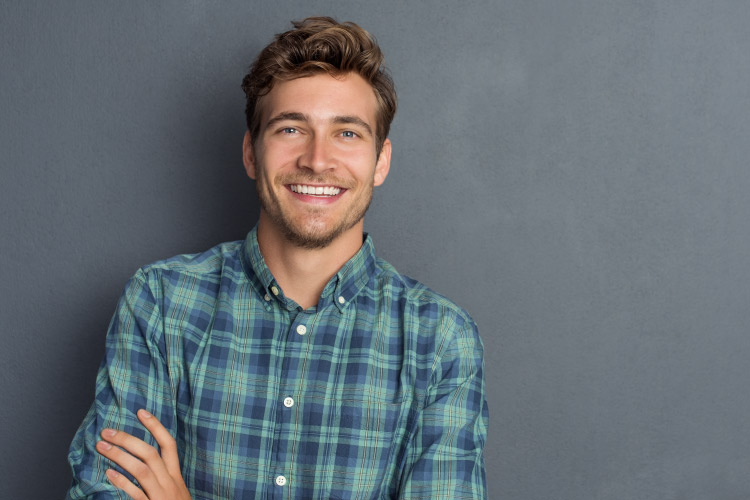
(288, 402)
(275, 291)
(267, 297)
(341, 300)
(280, 480)
(302, 329)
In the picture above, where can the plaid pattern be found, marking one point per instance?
(378, 392)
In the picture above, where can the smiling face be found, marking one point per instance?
(314, 160)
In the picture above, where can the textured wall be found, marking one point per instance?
(573, 172)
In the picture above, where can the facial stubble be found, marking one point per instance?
(303, 233)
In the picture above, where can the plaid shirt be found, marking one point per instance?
(377, 392)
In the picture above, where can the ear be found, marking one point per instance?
(383, 165)
(248, 155)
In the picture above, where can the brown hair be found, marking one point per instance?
(321, 45)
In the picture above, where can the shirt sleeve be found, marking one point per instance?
(133, 375)
(445, 459)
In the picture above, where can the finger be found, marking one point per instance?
(166, 442)
(135, 467)
(138, 448)
(125, 485)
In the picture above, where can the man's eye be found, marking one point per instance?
(349, 134)
(289, 130)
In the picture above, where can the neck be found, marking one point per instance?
(301, 272)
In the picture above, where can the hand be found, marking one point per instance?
(159, 476)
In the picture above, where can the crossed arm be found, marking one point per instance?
(444, 458)
(158, 475)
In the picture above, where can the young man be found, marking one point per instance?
(294, 364)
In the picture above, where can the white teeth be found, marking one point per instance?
(315, 190)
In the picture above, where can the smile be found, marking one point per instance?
(314, 190)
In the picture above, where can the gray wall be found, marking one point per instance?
(573, 172)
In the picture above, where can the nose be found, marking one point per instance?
(318, 155)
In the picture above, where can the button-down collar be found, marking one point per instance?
(344, 286)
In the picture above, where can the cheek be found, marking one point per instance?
(362, 160)
(282, 154)
(273, 162)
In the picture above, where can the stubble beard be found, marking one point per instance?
(311, 232)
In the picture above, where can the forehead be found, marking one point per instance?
(322, 97)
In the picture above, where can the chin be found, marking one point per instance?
(315, 237)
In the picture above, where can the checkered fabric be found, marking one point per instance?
(377, 392)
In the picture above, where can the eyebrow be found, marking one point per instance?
(292, 116)
(301, 117)
(353, 120)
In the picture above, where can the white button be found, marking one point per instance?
(301, 329)
(275, 291)
(267, 297)
(342, 300)
(280, 480)
(288, 402)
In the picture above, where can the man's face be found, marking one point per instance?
(314, 160)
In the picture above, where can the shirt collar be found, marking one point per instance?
(341, 289)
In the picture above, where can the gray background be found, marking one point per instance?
(574, 173)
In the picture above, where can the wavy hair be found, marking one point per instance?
(321, 45)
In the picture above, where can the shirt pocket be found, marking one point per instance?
(369, 436)
(369, 422)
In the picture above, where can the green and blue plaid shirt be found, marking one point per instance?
(377, 392)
